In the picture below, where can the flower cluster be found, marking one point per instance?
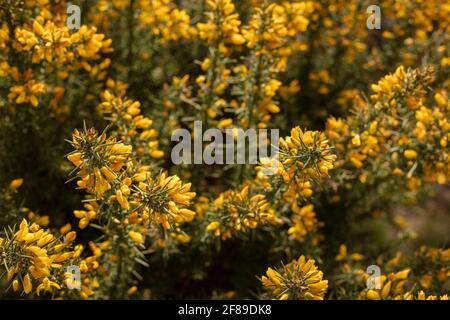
(270, 35)
(132, 126)
(165, 199)
(238, 211)
(391, 287)
(223, 25)
(98, 159)
(359, 181)
(304, 221)
(165, 21)
(304, 157)
(297, 280)
(420, 149)
(32, 257)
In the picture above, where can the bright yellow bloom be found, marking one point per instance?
(27, 93)
(32, 255)
(136, 237)
(239, 212)
(16, 184)
(94, 155)
(299, 280)
(410, 154)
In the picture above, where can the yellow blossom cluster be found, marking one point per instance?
(49, 47)
(303, 157)
(303, 220)
(129, 202)
(104, 164)
(98, 159)
(238, 211)
(223, 25)
(165, 20)
(273, 26)
(340, 40)
(299, 279)
(32, 256)
(362, 189)
(270, 35)
(52, 43)
(428, 279)
(132, 126)
(391, 287)
(421, 296)
(165, 199)
(29, 92)
(421, 149)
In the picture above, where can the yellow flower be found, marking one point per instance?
(98, 160)
(183, 238)
(391, 287)
(440, 100)
(299, 280)
(86, 216)
(16, 285)
(32, 255)
(213, 226)
(240, 211)
(89, 42)
(165, 21)
(222, 25)
(16, 184)
(165, 198)
(402, 275)
(132, 290)
(27, 93)
(303, 221)
(27, 286)
(134, 128)
(310, 149)
(303, 157)
(342, 253)
(47, 285)
(373, 295)
(410, 154)
(136, 237)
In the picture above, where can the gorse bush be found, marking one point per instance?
(93, 207)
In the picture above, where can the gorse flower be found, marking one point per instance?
(129, 202)
(303, 157)
(372, 168)
(223, 24)
(297, 280)
(52, 43)
(165, 20)
(303, 221)
(239, 211)
(165, 199)
(273, 26)
(307, 153)
(421, 296)
(98, 159)
(372, 130)
(27, 93)
(32, 255)
(132, 126)
(391, 287)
